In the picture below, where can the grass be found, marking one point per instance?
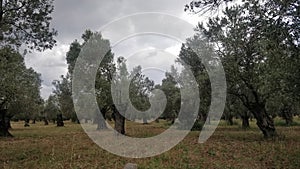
(46, 147)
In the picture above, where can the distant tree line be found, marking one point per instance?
(256, 41)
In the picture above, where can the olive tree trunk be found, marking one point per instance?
(100, 120)
(287, 115)
(46, 122)
(229, 118)
(4, 126)
(245, 120)
(264, 121)
(26, 124)
(145, 120)
(60, 121)
(119, 121)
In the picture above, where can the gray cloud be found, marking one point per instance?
(72, 17)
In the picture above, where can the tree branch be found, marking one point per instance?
(242, 97)
(14, 9)
(204, 5)
(23, 30)
(251, 89)
(1, 13)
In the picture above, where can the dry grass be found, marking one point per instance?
(46, 147)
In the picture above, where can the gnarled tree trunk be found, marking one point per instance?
(60, 122)
(264, 121)
(3, 124)
(119, 121)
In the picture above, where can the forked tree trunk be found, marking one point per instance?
(264, 121)
(3, 125)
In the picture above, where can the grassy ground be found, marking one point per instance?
(46, 147)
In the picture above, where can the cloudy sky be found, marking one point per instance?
(123, 23)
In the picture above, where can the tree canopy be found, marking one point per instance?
(20, 87)
(27, 22)
(258, 43)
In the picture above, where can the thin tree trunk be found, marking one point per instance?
(229, 119)
(100, 120)
(172, 120)
(208, 117)
(245, 121)
(101, 124)
(287, 115)
(145, 120)
(289, 121)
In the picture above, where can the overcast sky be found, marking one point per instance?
(154, 53)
